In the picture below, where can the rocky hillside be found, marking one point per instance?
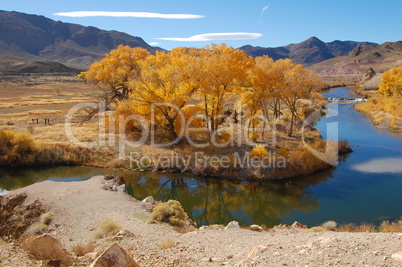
(378, 57)
(10, 65)
(308, 52)
(40, 38)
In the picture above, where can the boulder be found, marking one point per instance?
(296, 224)
(370, 73)
(15, 217)
(149, 199)
(397, 256)
(232, 225)
(114, 256)
(256, 228)
(114, 183)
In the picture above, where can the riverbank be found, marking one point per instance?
(78, 208)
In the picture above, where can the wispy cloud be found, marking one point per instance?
(262, 12)
(215, 36)
(82, 14)
(153, 43)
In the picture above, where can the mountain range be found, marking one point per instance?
(36, 42)
(308, 52)
(40, 38)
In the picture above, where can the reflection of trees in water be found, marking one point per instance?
(17, 177)
(210, 201)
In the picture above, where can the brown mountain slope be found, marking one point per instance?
(380, 58)
(308, 52)
(40, 38)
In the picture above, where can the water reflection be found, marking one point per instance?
(382, 165)
(209, 201)
(17, 177)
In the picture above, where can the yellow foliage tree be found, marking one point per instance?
(163, 89)
(391, 82)
(116, 69)
(223, 74)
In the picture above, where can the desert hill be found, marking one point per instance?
(40, 38)
(308, 52)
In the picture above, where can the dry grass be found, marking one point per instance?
(107, 228)
(391, 227)
(47, 249)
(82, 249)
(168, 243)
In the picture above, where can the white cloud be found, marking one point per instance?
(153, 43)
(263, 11)
(384, 165)
(215, 36)
(82, 14)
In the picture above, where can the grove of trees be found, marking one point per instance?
(194, 85)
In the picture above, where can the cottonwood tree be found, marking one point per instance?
(163, 89)
(113, 73)
(391, 82)
(224, 71)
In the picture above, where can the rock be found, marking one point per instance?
(108, 177)
(55, 263)
(204, 227)
(114, 256)
(148, 206)
(232, 225)
(370, 73)
(397, 256)
(114, 183)
(149, 199)
(15, 217)
(123, 234)
(296, 224)
(121, 188)
(256, 228)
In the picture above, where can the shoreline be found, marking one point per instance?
(75, 207)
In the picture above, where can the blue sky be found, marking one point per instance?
(266, 23)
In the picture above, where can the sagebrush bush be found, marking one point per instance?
(107, 228)
(82, 249)
(170, 212)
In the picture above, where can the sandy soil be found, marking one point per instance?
(79, 207)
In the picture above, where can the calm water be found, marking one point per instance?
(365, 187)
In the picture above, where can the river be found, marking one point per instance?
(364, 187)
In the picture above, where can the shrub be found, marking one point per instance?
(82, 249)
(46, 218)
(107, 228)
(170, 212)
(259, 151)
(387, 227)
(47, 248)
(331, 225)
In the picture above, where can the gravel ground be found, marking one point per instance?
(78, 208)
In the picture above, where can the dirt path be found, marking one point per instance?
(79, 207)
